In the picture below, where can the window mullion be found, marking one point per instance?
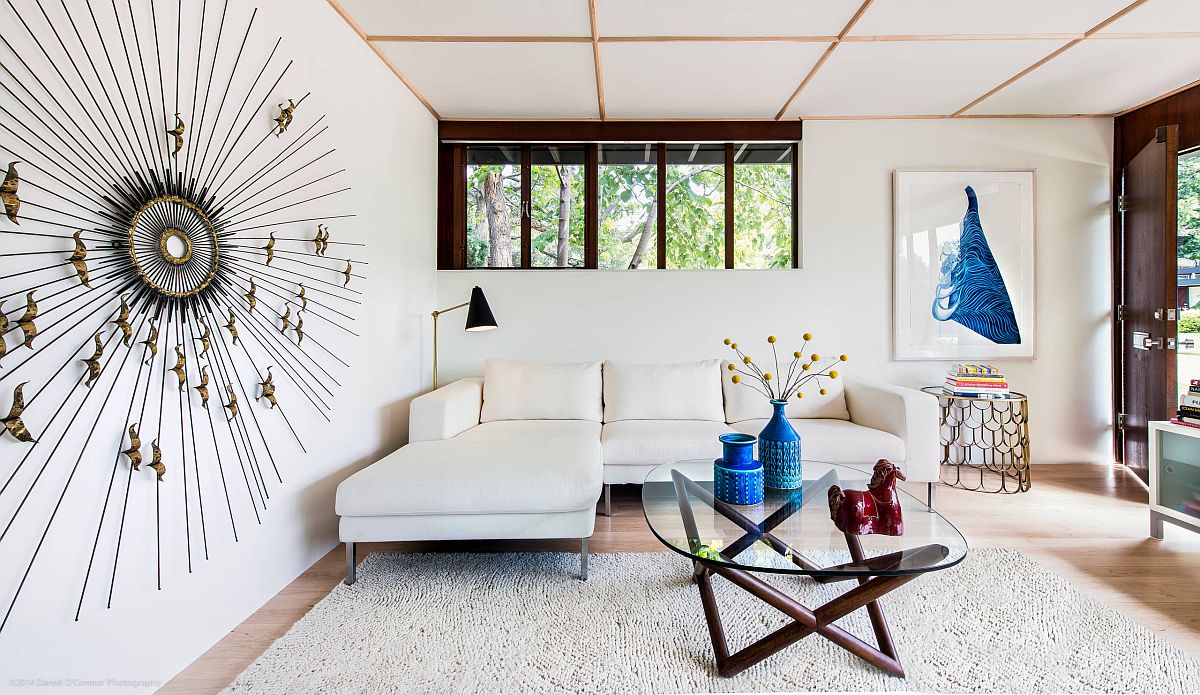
(591, 207)
(526, 207)
(660, 193)
(729, 205)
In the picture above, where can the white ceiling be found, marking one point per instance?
(762, 59)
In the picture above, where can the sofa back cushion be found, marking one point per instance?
(744, 403)
(515, 390)
(681, 391)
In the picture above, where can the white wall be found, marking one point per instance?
(843, 294)
(387, 140)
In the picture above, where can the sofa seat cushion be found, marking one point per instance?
(837, 441)
(514, 467)
(651, 442)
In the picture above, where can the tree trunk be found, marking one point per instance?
(647, 231)
(499, 224)
(565, 174)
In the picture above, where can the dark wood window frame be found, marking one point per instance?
(456, 136)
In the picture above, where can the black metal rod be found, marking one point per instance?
(112, 478)
(66, 487)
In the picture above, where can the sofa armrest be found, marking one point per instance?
(446, 412)
(909, 414)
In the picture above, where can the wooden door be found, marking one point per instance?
(1147, 308)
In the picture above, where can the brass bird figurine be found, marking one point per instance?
(202, 389)
(322, 240)
(232, 326)
(268, 389)
(151, 341)
(317, 241)
(134, 452)
(122, 321)
(78, 260)
(205, 339)
(26, 322)
(303, 299)
(3, 330)
(93, 362)
(346, 272)
(287, 318)
(13, 424)
(299, 330)
(284, 119)
(180, 368)
(232, 405)
(177, 132)
(270, 249)
(156, 461)
(250, 296)
(8, 192)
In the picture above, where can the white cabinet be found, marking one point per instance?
(1174, 477)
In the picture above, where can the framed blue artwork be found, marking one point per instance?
(963, 273)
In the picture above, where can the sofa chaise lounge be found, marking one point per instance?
(526, 451)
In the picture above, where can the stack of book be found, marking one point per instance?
(976, 381)
(1192, 506)
(1189, 405)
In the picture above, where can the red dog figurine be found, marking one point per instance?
(874, 510)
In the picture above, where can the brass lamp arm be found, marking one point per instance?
(439, 312)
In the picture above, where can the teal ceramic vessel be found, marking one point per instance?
(779, 451)
(737, 477)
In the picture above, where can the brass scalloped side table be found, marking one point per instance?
(985, 442)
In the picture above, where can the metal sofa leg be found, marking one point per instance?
(583, 561)
(932, 495)
(351, 565)
(608, 500)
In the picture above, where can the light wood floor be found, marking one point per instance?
(1087, 523)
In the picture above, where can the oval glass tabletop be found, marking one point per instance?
(791, 532)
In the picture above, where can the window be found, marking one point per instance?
(556, 207)
(617, 196)
(628, 207)
(695, 195)
(493, 207)
(762, 215)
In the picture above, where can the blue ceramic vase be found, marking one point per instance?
(737, 477)
(779, 451)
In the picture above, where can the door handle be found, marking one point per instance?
(1149, 343)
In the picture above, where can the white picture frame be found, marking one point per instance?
(972, 320)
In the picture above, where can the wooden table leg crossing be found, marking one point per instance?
(806, 621)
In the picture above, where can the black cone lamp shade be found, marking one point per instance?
(479, 314)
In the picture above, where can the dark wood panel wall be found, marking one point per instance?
(1132, 131)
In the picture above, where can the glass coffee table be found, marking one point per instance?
(791, 533)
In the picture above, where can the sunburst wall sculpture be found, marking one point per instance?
(170, 217)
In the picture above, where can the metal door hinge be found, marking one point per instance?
(1122, 203)
(1120, 312)
(1121, 421)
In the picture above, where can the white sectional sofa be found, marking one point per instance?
(525, 451)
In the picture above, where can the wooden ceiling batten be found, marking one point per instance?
(596, 57)
(428, 38)
(776, 38)
(337, 7)
(717, 39)
(943, 116)
(1063, 49)
(824, 57)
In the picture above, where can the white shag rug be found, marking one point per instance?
(523, 622)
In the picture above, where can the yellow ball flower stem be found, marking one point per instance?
(775, 352)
